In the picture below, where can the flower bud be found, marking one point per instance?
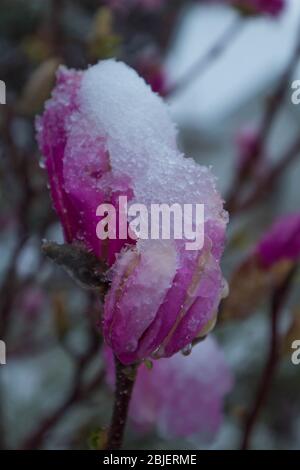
(105, 134)
(281, 242)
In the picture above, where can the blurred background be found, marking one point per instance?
(227, 80)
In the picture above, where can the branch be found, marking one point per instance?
(265, 185)
(272, 109)
(203, 63)
(125, 378)
(77, 393)
(83, 266)
(278, 300)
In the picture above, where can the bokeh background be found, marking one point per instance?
(53, 392)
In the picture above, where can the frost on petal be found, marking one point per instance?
(104, 134)
(141, 141)
(126, 111)
(141, 279)
(189, 305)
(52, 131)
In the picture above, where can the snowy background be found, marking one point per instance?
(47, 318)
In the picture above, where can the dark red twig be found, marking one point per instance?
(278, 300)
(209, 58)
(272, 109)
(266, 184)
(78, 393)
(125, 378)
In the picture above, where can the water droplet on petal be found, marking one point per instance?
(186, 351)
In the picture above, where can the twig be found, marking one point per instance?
(7, 292)
(209, 58)
(7, 296)
(273, 107)
(77, 393)
(278, 299)
(56, 13)
(82, 265)
(265, 185)
(125, 378)
(76, 396)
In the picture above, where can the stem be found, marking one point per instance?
(124, 386)
(76, 396)
(265, 185)
(78, 392)
(7, 296)
(271, 112)
(56, 13)
(278, 300)
(202, 64)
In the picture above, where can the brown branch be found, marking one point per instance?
(266, 184)
(278, 300)
(272, 109)
(56, 13)
(203, 63)
(77, 393)
(125, 378)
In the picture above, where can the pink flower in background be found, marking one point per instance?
(247, 144)
(250, 162)
(151, 69)
(180, 396)
(105, 133)
(252, 7)
(146, 4)
(281, 241)
(268, 7)
(31, 302)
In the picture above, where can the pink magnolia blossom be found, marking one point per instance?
(104, 133)
(252, 7)
(281, 241)
(31, 301)
(152, 70)
(256, 7)
(146, 4)
(247, 144)
(78, 166)
(180, 396)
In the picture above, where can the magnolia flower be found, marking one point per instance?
(248, 7)
(281, 242)
(152, 70)
(250, 161)
(146, 4)
(265, 268)
(31, 301)
(248, 142)
(103, 134)
(180, 396)
(256, 7)
(90, 162)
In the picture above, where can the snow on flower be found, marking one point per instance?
(103, 134)
(180, 396)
